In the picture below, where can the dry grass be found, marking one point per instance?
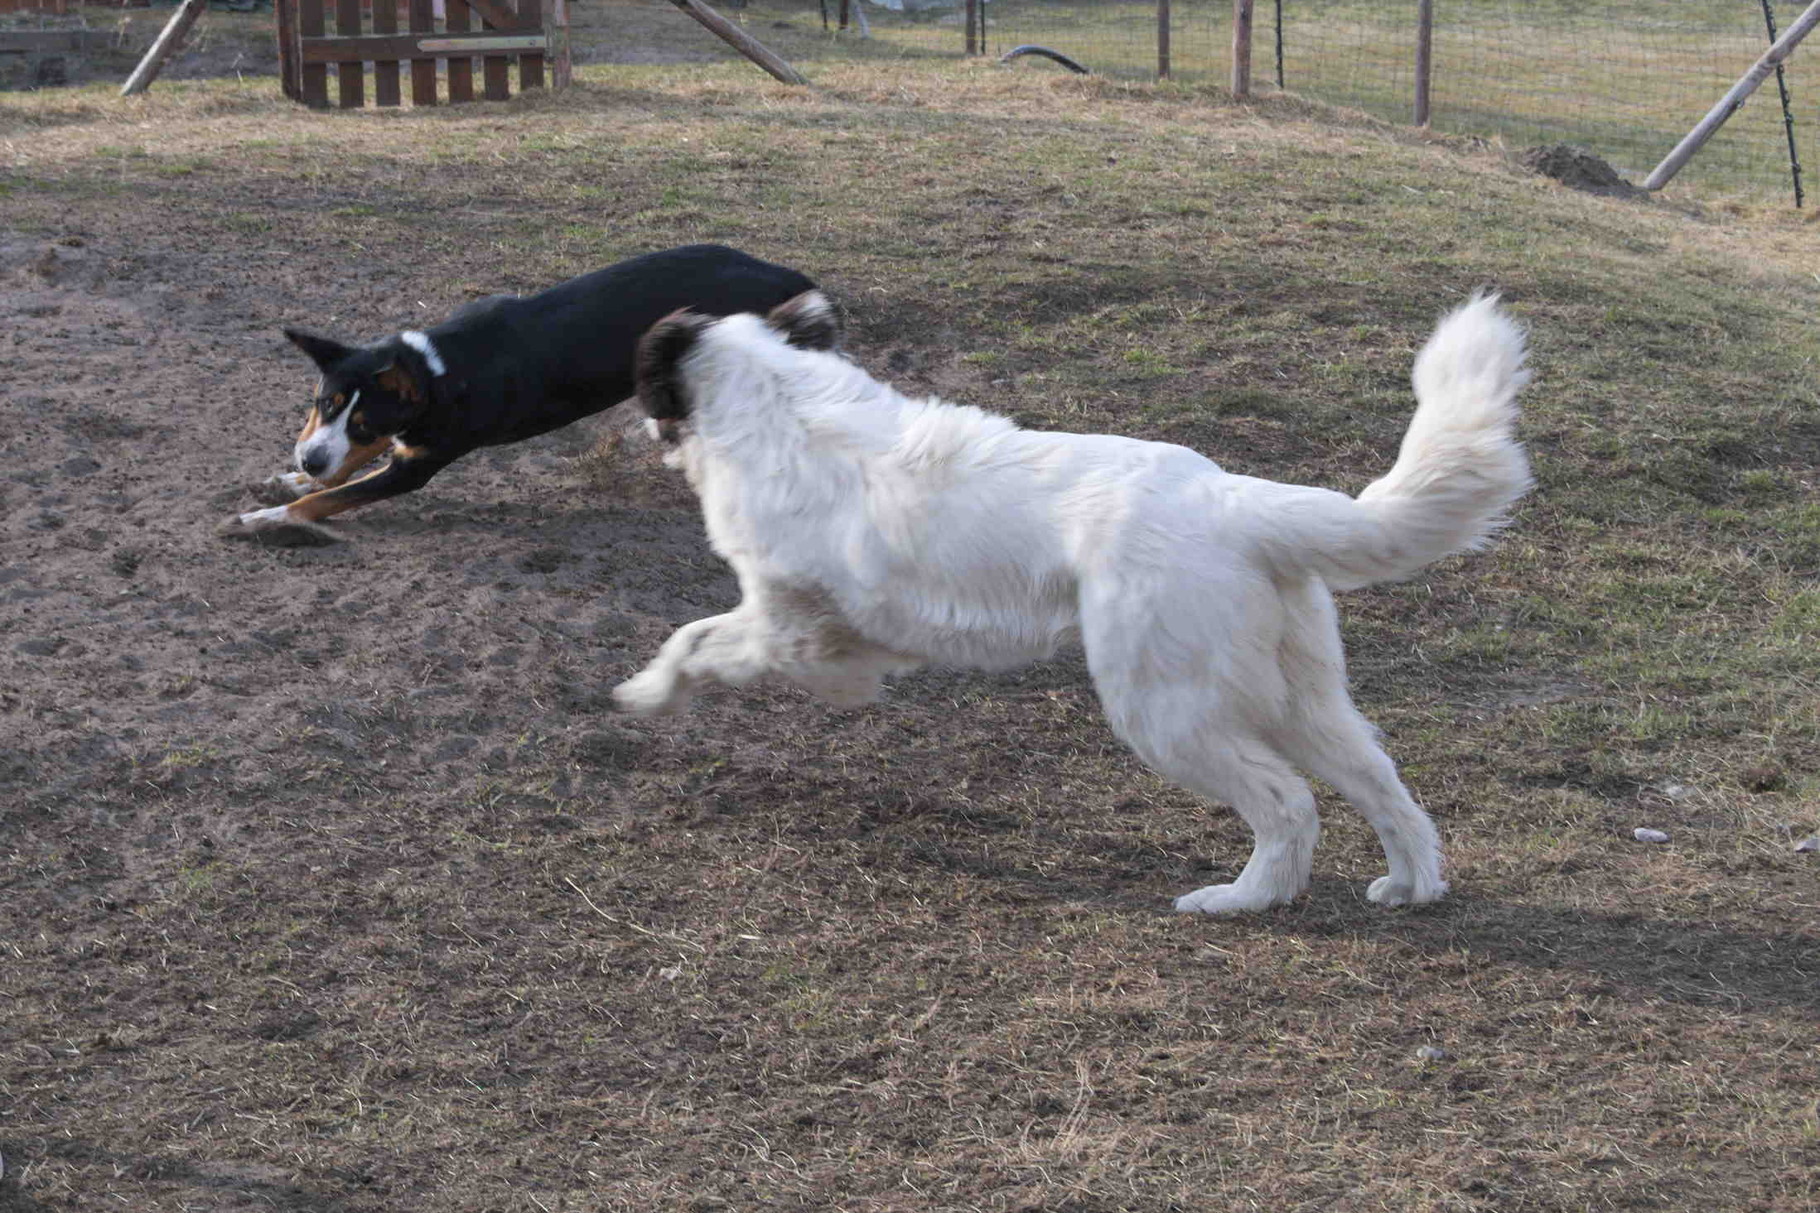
(916, 957)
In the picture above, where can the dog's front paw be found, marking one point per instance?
(650, 694)
(282, 489)
(275, 528)
(1420, 891)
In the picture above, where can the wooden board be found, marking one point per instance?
(528, 31)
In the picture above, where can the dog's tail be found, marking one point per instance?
(1459, 471)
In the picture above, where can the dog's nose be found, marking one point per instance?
(314, 463)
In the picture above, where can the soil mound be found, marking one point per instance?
(1579, 169)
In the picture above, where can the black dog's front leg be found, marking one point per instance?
(296, 523)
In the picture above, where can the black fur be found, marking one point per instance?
(514, 368)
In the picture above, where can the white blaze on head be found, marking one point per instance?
(328, 445)
(421, 343)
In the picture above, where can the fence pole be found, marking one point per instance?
(1241, 47)
(740, 41)
(972, 19)
(1162, 39)
(1788, 114)
(168, 41)
(1425, 36)
(1280, 82)
(1729, 104)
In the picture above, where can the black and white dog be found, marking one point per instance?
(873, 533)
(499, 370)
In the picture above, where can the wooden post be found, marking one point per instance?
(971, 18)
(285, 12)
(1735, 99)
(741, 41)
(1425, 34)
(168, 41)
(556, 29)
(1162, 39)
(1241, 48)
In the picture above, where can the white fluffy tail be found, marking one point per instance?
(1460, 468)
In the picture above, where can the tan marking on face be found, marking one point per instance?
(311, 424)
(358, 457)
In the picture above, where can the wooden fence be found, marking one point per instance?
(532, 33)
(34, 6)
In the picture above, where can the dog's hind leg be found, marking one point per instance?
(1275, 802)
(1325, 734)
(1192, 691)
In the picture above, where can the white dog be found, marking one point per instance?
(873, 533)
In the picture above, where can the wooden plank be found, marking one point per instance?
(461, 70)
(350, 75)
(422, 14)
(369, 47)
(385, 71)
(495, 69)
(315, 76)
(530, 64)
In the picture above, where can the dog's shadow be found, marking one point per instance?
(1676, 960)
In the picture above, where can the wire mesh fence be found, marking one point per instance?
(1624, 78)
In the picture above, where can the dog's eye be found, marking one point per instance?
(338, 400)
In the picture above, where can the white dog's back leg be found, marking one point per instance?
(1326, 734)
(1279, 807)
(1188, 713)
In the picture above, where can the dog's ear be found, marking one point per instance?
(809, 321)
(399, 380)
(325, 352)
(661, 391)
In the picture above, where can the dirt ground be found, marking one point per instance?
(329, 883)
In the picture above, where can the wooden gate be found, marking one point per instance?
(535, 33)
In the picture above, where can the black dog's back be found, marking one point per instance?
(524, 366)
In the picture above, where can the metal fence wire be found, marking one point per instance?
(1623, 78)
